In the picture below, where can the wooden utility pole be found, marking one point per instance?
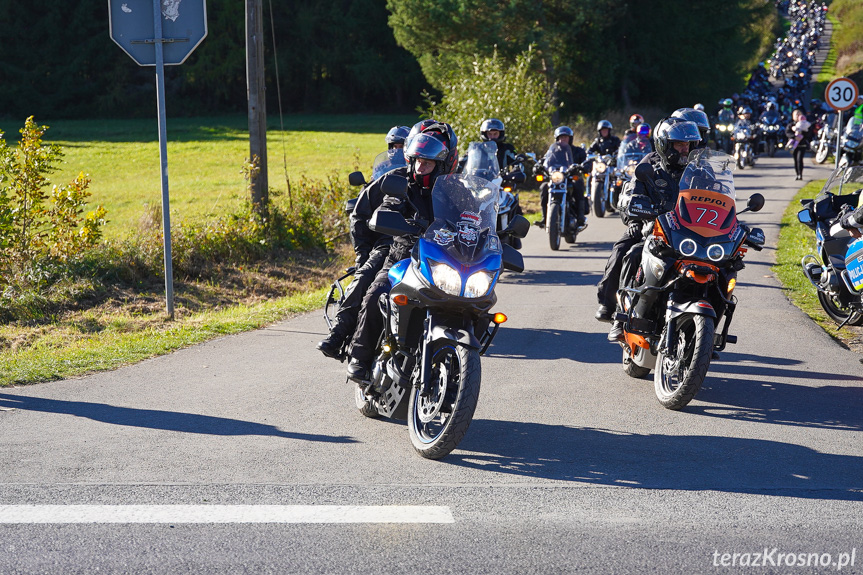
(257, 103)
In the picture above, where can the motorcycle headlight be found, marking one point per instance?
(557, 177)
(715, 252)
(478, 284)
(720, 127)
(446, 278)
(599, 167)
(630, 170)
(687, 247)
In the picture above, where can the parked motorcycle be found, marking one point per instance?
(825, 146)
(835, 271)
(674, 303)
(851, 143)
(438, 319)
(560, 213)
(744, 155)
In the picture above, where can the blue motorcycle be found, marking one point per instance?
(438, 318)
(837, 270)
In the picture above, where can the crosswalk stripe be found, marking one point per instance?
(224, 514)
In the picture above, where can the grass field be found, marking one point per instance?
(205, 158)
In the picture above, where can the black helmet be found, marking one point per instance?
(397, 135)
(700, 118)
(563, 131)
(431, 140)
(492, 124)
(604, 124)
(672, 130)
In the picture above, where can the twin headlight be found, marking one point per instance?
(448, 280)
(688, 247)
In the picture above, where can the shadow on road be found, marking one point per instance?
(528, 343)
(658, 461)
(553, 278)
(156, 419)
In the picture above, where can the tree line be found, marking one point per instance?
(57, 60)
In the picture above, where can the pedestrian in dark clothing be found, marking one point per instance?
(802, 146)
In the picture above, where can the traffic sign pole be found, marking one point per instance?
(163, 156)
(186, 27)
(840, 94)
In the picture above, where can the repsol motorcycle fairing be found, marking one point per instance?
(438, 318)
(835, 270)
(678, 306)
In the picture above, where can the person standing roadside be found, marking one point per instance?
(802, 146)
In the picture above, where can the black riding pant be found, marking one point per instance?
(577, 198)
(799, 154)
(346, 317)
(606, 289)
(370, 322)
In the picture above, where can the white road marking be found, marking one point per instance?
(224, 514)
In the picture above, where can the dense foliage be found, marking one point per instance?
(58, 61)
(513, 93)
(848, 38)
(599, 53)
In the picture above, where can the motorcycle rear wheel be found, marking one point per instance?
(553, 226)
(631, 369)
(599, 203)
(677, 379)
(437, 423)
(838, 310)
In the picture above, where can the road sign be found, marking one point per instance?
(184, 26)
(841, 94)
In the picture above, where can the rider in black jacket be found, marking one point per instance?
(494, 130)
(673, 139)
(563, 139)
(431, 151)
(605, 142)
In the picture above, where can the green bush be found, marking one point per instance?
(492, 87)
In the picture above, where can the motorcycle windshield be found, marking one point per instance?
(558, 157)
(726, 116)
(854, 128)
(842, 182)
(703, 225)
(482, 160)
(465, 212)
(631, 150)
(387, 162)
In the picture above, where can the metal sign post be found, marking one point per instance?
(840, 94)
(131, 24)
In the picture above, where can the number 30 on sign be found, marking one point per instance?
(841, 94)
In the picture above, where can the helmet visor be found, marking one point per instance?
(426, 146)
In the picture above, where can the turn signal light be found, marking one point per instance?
(732, 283)
(540, 178)
(499, 318)
(400, 299)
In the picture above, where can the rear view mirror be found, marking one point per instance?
(356, 179)
(804, 216)
(394, 186)
(755, 202)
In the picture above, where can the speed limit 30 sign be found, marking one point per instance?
(841, 94)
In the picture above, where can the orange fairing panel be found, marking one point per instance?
(707, 213)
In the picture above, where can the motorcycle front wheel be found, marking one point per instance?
(677, 379)
(598, 195)
(771, 148)
(438, 422)
(838, 310)
(553, 226)
(822, 153)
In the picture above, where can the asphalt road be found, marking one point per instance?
(568, 466)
